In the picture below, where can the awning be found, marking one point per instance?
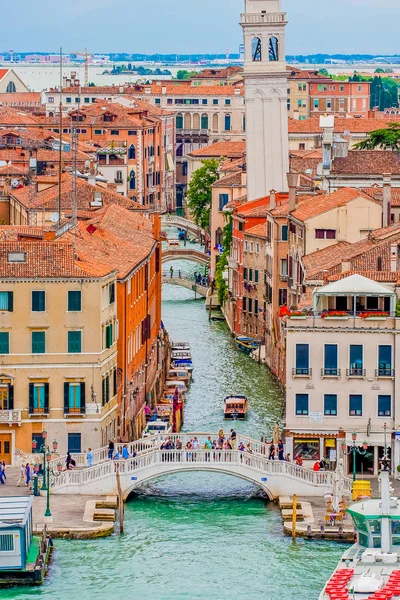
(169, 162)
(312, 434)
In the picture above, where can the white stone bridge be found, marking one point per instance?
(182, 223)
(191, 254)
(186, 280)
(275, 478)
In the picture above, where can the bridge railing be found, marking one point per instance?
(192, 459)
(175, 219)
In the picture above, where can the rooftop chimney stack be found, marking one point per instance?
(293, 182)
(272, 199)
(387, 199)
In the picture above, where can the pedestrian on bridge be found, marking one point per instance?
(125, 452)
(171, 271)
(271, 455)
(233, 439)
(280, 450)
(21, 475)
(179, 273)
(89, 457)
(110, 449)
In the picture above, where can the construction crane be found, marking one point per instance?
(87, 56)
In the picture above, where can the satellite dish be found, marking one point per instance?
(54, 217)
(14, 183)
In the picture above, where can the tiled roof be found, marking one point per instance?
(218, 73)
(259, 230)
(368, 162)
(15, 116)
(382, 276)
(233, 179)
(311, 206)
(233, 165)
(342, 125)
(21, 99)
(11, 169)
(318, 261)
(3, 73)
(220, 149)
(376, 192)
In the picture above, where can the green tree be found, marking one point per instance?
(324, 72)
(199, 191)
(222, 288)
(384, 139)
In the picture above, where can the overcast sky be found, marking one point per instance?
(190, 26)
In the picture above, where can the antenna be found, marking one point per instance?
(74, 150)
(60, 148)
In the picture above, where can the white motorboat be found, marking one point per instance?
(180, 346)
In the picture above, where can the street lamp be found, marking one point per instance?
(47, 512)
(354, 450)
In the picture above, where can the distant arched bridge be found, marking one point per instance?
(276, 478)
(186, 280)
(196, 256)
(182, 223)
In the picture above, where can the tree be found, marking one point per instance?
(384, 139)
(199, 191)
(384, 93)
(222, 288)
(324, 72)
(182, 74)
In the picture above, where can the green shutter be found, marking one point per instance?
(109, 336)
(10, 301)
(74, 342)
(103, 392)
(256, 276)
(46, 398)
(66, 398)
(83, 399)
(11, 397)
(74, 301)
(4, 342)
(38, 342)
(38, 301)
(107, 389)
(31, 405)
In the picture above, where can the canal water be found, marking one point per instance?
(198, 536)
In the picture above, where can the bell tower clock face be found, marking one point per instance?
(257, 50)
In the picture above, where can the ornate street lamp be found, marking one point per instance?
(354, 450)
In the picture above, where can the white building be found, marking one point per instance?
(266, 91)
(341, 375)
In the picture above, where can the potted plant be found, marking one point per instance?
(335, 314)
(374, 316)
(297, 314)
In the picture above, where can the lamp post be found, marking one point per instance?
(47, 512)
(46, 468)
(354, 450)
(43, 449)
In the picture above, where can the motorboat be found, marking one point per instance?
(183, 364)
(176, 346)
(181, 354)
(172, 384)
(174, 243)
(157, 427)
(370, 568)
(180, 374)
(246, 344)
(235, 407)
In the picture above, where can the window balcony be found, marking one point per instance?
(384, 373)
(356, 373)
(296, 372)
(331, 372)
(10, 417)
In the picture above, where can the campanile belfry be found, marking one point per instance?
(266, 85)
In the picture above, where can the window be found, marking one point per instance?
(4, 342)
(284, 268)
(131, 132)
(204, 101)
(301, 404)
(284, 233)
(215, 101)
(227, 102)
(307, 449)
(68, 100)
(218, 237)
(245, 271)
(250, 303)
(325, 234)
(341, 88)
(74, 301)
(250, 274)
(302, 359)
(86, 100)
(273, 49)
(114, 132)
(359, 88)
(38, 301)
(179, 121)
(356, 360)
(74, 443)
(255, 275)
(355, 405)
(255, 307)
(7, 301)
(223, 200)
(98, 131)
(132, 152)
(227, 122)
(316, 104)
(7, 539)
(39, 398)
(132, 180)
(38, 342)
(384, 361)
(244, 304)
(240, 226)
(204, 121)
(109, 336)
(257, 248)
(157, 101)
(384, 406)
(74, 342)
(330, 405)
(74, 397)
(331, 360)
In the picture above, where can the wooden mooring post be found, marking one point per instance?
(120, 503)
(294, 517)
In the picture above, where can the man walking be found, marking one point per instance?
(233, 439)
(171, 271)
(21, 475)
(110, 449)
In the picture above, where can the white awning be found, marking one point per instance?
(355, 285)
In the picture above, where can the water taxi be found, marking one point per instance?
(235, 407)
(246, 344)
(183, 364)
(180, 374)
(172, 384)
(370, 569)
(180, 346)
(174, 243)
(153, 427)
(181, 355)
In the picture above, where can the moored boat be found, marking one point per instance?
(172, 384)
(235, 407)
(181, 355)
(246, 344)
(176, 346)
(180, 374)
(182, 364)
(153, 427)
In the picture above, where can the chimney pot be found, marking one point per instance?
(293, 182)
(272, 199)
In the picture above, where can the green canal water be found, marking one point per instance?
(197, 536)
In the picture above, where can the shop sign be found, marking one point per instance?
(316, 417)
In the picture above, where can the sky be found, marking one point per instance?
(191, 26)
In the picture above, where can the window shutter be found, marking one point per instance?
(107, 380)
(46, 398)
(103, 392)
(10, 301)
(31, 406)
(115, 382)
(66, 397)
(11, 397)
(83, 399)
(256, 276)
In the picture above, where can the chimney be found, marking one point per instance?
(387, 199)
(272, 199)
(371, 114)
(91, 179)
(293, 182)
(325, 276)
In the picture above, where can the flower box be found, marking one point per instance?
(298, 317)
(332, 318)
(335, 314)
(374, 316)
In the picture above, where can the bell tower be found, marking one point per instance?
(266, 85)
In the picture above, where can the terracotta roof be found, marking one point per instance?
(21, 99)
(11, 169)
(233, 179)
(15, 116)
(259, 230)
(221, 149)
(382, 276)
(218, 73)
(316, 262)
(3, 73)
(376, 192)
(342, 125)
(233, 165)
(311, 206)
(368, 162)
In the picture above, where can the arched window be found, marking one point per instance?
(204, 121)
(273, 49)
(218, 237)
(196, 121)
(179, 122)
(227, 122)
(132, 180)
(215, 122)
(132, 152)
(11, 89)
(256, 49)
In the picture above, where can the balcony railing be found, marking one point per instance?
(355, 372)
(296, 372)
(10, 416)
(330, 372)
(384, 373)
